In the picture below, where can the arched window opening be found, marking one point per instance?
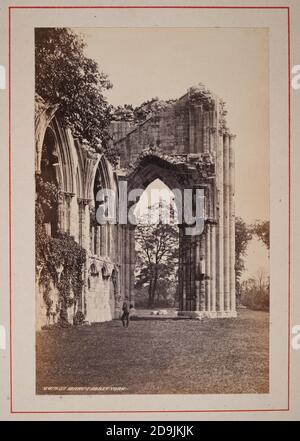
(49, 187)
(157, 248)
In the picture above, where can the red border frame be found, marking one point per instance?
(10, 8)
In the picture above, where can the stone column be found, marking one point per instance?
(213, 267)
(192, 251)
(127, 251)
(102, 240)
(232, 224)
(184, 270)
(187, 272)
(108, 239)
(132, 263)
(92, 248)
(192, 131)
(84, 241)
(68, 198)
(197, 273)
(113, 242)
(207, 268)
(213, 132)
(202, 272)
(104, 229)
(206, 132)
(84, 227)
(60, 210)
(98, 240)
(226, 190)
(192, 294)
(123, 261)
(220, 248)
(199, 129)
(181, 270)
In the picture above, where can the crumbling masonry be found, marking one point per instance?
(186, 144)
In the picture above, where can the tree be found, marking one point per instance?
(243, 234)
(262, 230)
(67, 78)
(255, 292)
(157, 256)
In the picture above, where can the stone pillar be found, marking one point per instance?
(184, 272)
(132, 263)
(220, 248)
(192, 268)
(213, 132)
(127, 268)
(84, 227)
(181, 270)
(108, 239)
(192, 296)
(206, 132)
(102, 240)
(197, 273)
(226, 214)
(92, 248)
(82, 301)
(60, 210)
(187, 272)
(84, 241)
(104, 228)
(207, 268)
(212, 228)
(113, 242)
(68, 198)
(123, 260)
(199, 129)
(202, 272)
(98, 241)
(232, 224)
(192, 131)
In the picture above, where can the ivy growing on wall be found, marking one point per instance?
(59, 259)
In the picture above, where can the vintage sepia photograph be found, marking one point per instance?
(152, 219)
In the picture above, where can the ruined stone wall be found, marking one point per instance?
(188, 143)
(76, 170)
(180, 128)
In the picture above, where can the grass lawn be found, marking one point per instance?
(166, 356)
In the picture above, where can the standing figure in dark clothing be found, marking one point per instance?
(126, 313)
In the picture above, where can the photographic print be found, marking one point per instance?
(149, 224)
(152, 210)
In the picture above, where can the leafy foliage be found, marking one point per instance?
(139, 114)
(243, 235)
(262, 230)
(201, 94)
(65, 76)
(59, 259)
(157, 256)
(255, 292)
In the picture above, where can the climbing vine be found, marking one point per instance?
(59, 259)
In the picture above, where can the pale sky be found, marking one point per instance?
(143, 63)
